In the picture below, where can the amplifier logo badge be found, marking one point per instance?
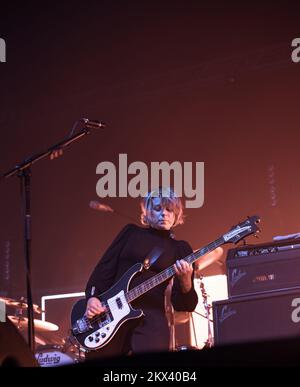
(225, 313)
(236, 275)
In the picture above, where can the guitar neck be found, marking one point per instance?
(168, 273)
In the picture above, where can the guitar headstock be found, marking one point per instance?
(243, 229)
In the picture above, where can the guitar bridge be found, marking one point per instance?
(82, 325)
(104, 319)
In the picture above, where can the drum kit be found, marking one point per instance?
(51, 349)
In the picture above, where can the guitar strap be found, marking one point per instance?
(152, 257)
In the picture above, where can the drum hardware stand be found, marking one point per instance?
(23, 171)
(169, 311)
(76, 348)
(209, 342)
(19, 315)
(194, 330)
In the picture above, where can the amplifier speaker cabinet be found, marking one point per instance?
(263, 268)
(257, 318)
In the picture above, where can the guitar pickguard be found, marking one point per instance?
(118, 309)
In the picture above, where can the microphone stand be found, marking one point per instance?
(23, 171)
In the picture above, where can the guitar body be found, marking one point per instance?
(114, 325)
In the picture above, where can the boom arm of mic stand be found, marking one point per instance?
(39, 156)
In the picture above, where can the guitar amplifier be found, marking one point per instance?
(261, 317)
(268, 267)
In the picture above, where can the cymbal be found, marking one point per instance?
(20, 304)
(40, 341)
(39, 325)
(6, 300)
(208, 259)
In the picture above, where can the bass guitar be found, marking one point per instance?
(101, 330)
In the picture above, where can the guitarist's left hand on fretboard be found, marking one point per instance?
(184, 271)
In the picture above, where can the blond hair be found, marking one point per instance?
(168, 199)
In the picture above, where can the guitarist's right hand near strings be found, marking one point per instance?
(94, 307)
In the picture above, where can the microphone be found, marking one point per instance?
(92, 124)
(100, 207)
(95, 205)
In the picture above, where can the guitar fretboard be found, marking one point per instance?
(163, 276)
